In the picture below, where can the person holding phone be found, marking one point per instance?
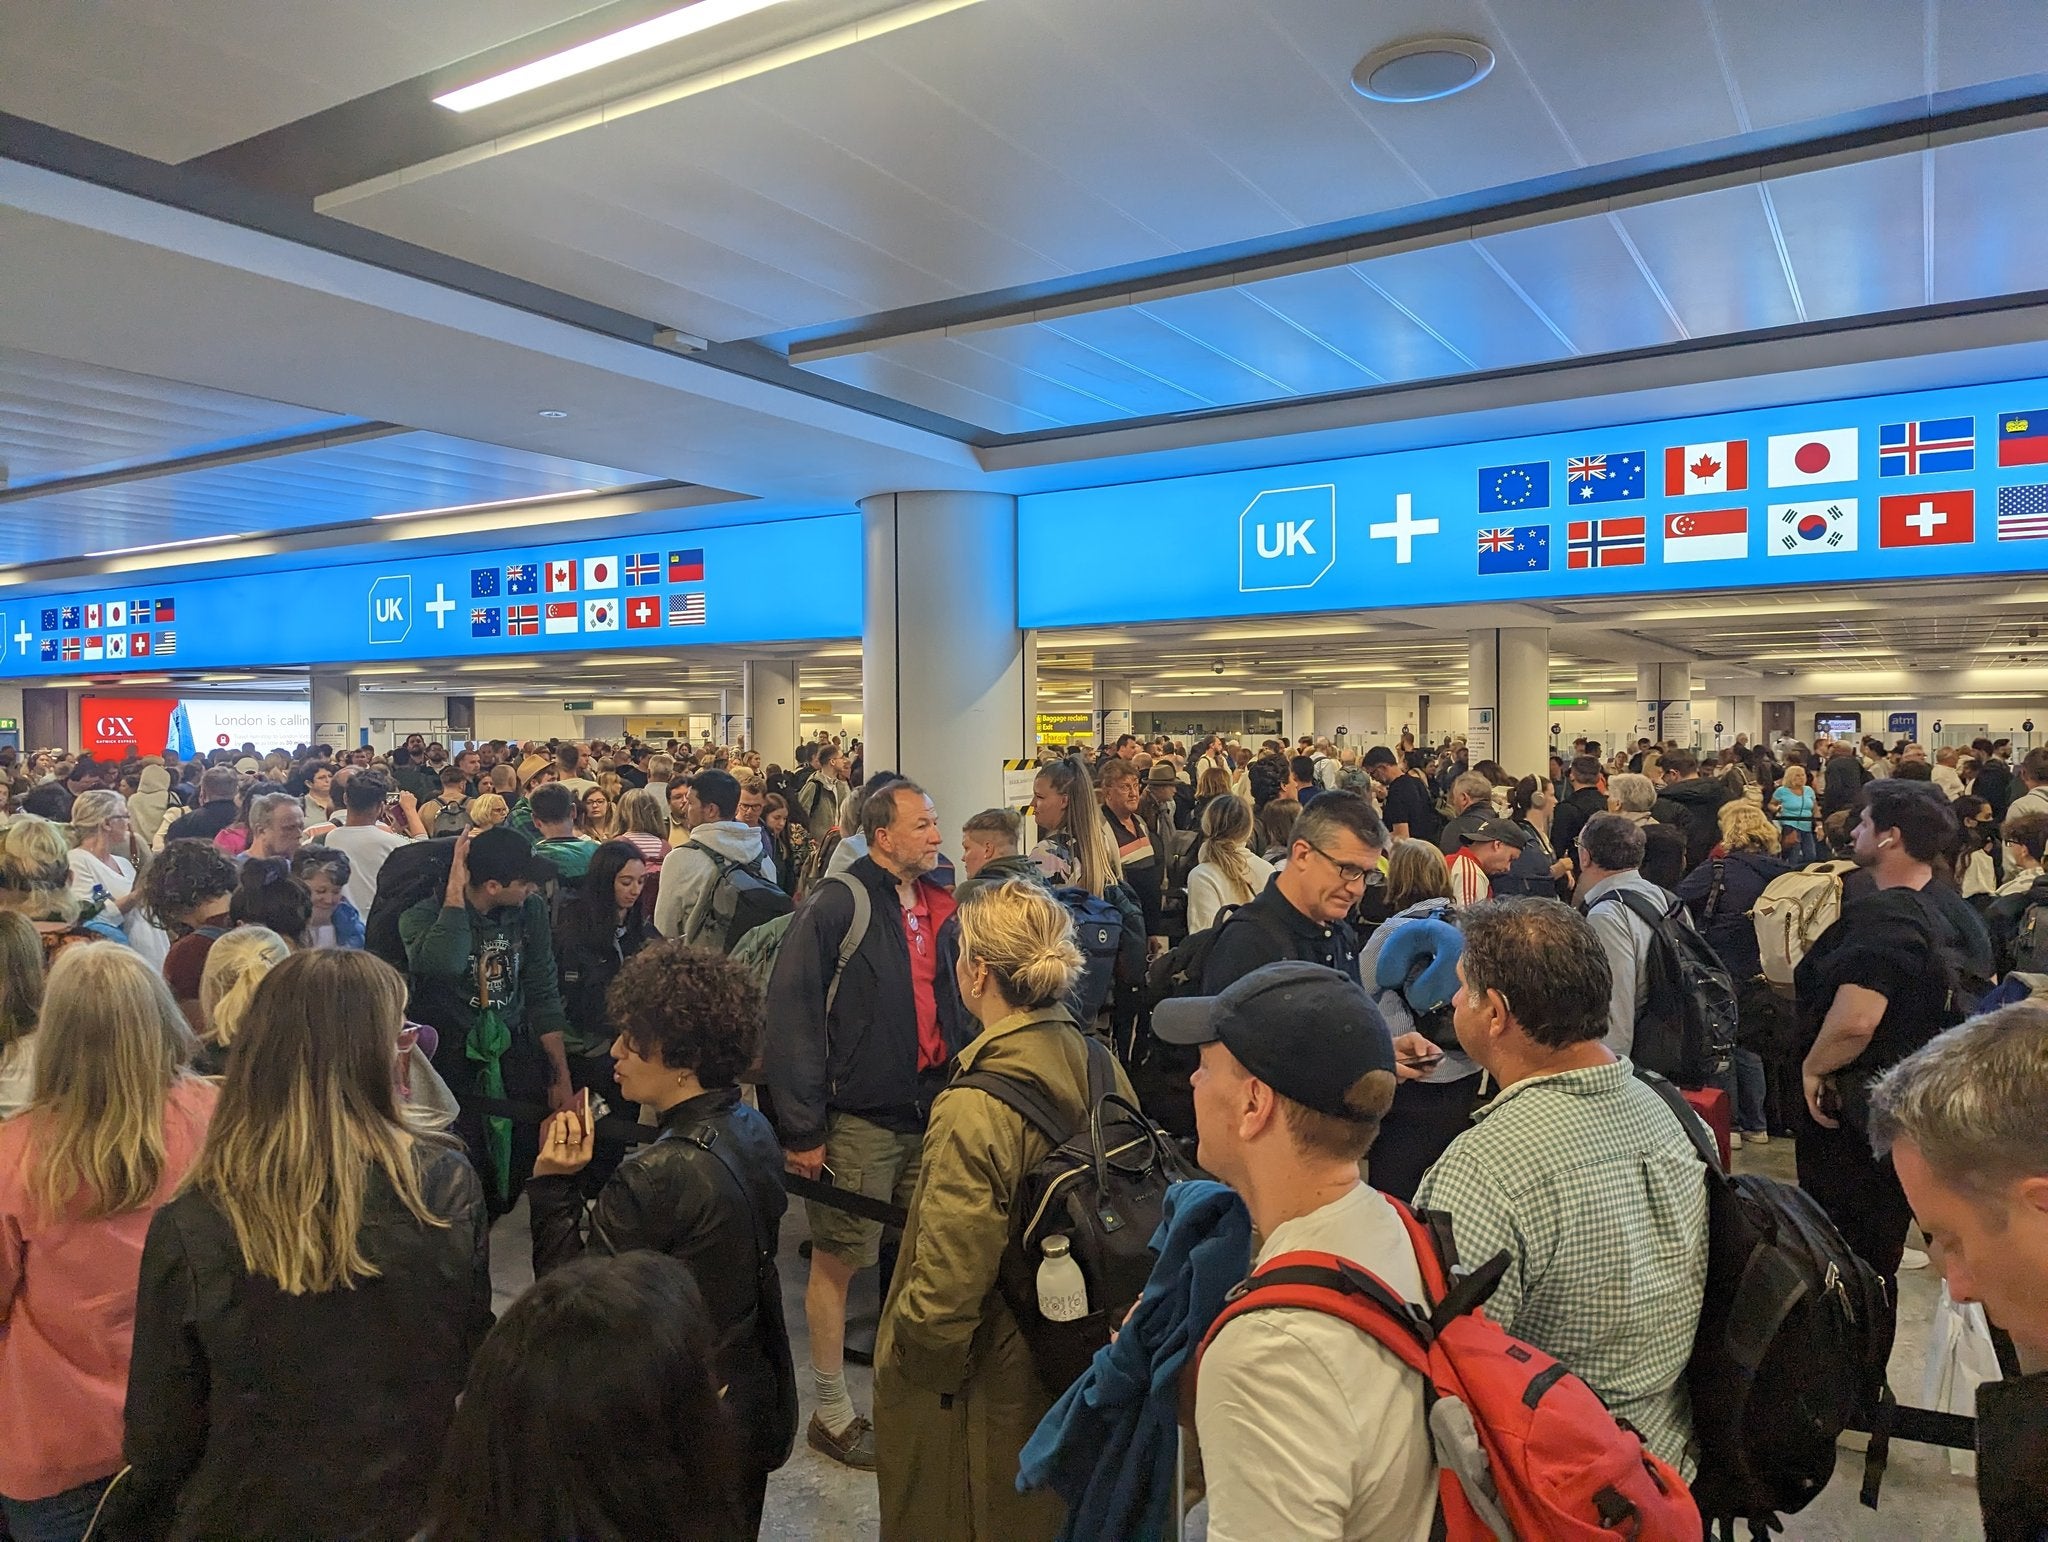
(707, 1190)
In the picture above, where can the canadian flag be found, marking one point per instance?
(1706, 468)
(561, 576)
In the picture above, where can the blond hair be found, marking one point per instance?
(1416, 871)
(35, 870)
(1744, 828)
(111, 1046)
(487, 810)
(1226, 826)
(307, 1111)
(235, 966)
(91, 811)
(1083, 827)
(21, 977)
(1025, 939)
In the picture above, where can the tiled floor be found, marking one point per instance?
(816, 1500)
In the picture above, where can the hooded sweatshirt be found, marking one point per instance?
(687, 873)
(151, 801)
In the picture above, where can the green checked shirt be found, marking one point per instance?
(1586, 1180)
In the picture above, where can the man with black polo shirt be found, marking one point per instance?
(1584, 801)
(1301, 912)
(1407, 812)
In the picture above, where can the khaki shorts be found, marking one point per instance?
(863, 1158)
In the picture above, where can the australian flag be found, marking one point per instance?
(483, 621)
(1515, 549)
(72, 617)
(483, 583)
(1603, 478)
(522, 578)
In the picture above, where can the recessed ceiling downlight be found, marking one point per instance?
(1422, 69)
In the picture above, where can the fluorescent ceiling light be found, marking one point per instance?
(598, 52)
(470, 508)
(197, 540)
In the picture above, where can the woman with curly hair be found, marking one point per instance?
(186, 891)
(707, 1190)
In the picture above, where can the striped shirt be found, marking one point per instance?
(1587, 1182)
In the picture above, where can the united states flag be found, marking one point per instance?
(166, 644)
(686, 609)
(2023, 512)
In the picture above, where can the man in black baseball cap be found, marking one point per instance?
(1490, 848)
(1297, 1071)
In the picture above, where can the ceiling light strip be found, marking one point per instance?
(862, 31)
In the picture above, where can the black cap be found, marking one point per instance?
(1305, 1030)
(502, 856)
(1380, 755)
(1506, 831)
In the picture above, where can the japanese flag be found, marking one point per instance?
(1798, 460)
(600, 572)
(561, 576)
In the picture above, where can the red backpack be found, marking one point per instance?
(1526, 1451)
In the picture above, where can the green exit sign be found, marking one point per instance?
(579, 706)
(1569, 703)
(7, 723)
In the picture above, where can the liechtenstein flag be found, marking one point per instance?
(686, 567)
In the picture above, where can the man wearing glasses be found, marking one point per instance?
(1302, 912)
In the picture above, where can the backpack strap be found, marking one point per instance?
(1716, 888)
(1336, 1287)
(1688, 1121)
(856, 931)
(1040, 1112)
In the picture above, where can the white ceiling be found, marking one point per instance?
(175, 80)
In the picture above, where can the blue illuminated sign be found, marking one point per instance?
(702, 586)
(1931, 484)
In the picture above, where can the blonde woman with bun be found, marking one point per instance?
(35, 880)
(235, 966)
(956, 1392)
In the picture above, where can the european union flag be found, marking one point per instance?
(483, 583)
(71, 619)
(483, 621)
(522, 578)
(1603, 478)
(1504, 489)
(1516, 549)
(49, 650)
(50, 619)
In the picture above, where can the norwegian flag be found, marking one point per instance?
(522, 620)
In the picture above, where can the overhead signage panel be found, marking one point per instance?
(1919, 485)
(633, 592)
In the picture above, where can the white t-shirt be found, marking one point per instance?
(366, 847)
(1310, 1429)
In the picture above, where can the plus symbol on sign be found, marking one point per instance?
(1403, 528)
(24, 637)
(1927, 520)
(440, 605)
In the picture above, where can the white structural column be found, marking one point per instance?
(773, 712)
(1509, 706)
(1112, 709)
(942, 661)
(1664, 702)
(1298, 715)
(1403, 711)
(335, 720)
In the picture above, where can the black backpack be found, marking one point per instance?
(410, 874)
(1794, 1334)
(1685, 1030)
(1103, 1187)
(2030, 940)
(740, 898)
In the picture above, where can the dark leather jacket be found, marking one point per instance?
(256, 1414)
(677, 1195)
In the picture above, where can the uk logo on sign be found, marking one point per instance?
(1287, 538)
(391, 609)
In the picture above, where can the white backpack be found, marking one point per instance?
(1792, 912)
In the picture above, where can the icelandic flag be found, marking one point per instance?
(1515, 549)
(643, 568)
(686, 567)
(521, 578)
(1928, 447)
(1504, 489)
(1604, 479)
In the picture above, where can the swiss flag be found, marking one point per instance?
(1706, 468)
(1927, 519)
(138, 646)
(561, 576)
(643, 612)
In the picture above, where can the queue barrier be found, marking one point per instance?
(1894, 1421)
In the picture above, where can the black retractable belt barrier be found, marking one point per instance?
(613, 1130)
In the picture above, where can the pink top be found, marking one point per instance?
(67, 1313)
